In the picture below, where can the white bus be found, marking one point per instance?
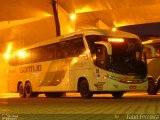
(88, 61)
(152, 50)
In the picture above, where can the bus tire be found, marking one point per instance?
(84, 89)
(28, 91)
(54, 94)
(117, 94)
(20, 90)
(152, 89)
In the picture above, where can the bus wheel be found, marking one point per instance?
(28, 91)
(117, 94)
(152, 90)
(21, 90)
(84, 89)
(54, 94)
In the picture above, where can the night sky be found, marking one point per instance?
(143, 30)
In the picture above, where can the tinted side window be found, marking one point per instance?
(27, 58)
(76, 47)
(13, 59)
(19, 60)
(91, 39)
(50, 52)
(64, 49)
(36, 54)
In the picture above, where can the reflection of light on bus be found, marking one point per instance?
(10, 47)
(8, 51)
(84, 55)
(6, 56)
(22, 53)
(74, 60)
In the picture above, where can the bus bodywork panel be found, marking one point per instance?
(44, 76)
(115, 85)
(108, 82)
(154, 67)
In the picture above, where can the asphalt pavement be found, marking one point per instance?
(132, 106)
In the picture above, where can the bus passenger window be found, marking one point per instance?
(36, 54)
(27, 58)
(13, 60)
(64, 49)
(76, 47)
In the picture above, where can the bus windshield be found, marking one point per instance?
(126, 53)
(123, 52)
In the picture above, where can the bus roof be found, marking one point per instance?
(86, 32)
(152, 41)
(107, 32)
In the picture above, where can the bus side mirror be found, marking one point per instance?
(101, 56)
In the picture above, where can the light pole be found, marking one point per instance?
(56, 19)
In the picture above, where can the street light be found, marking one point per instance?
(114, 29)
(72, 16)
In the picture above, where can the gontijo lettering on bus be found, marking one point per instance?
(29, 69)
